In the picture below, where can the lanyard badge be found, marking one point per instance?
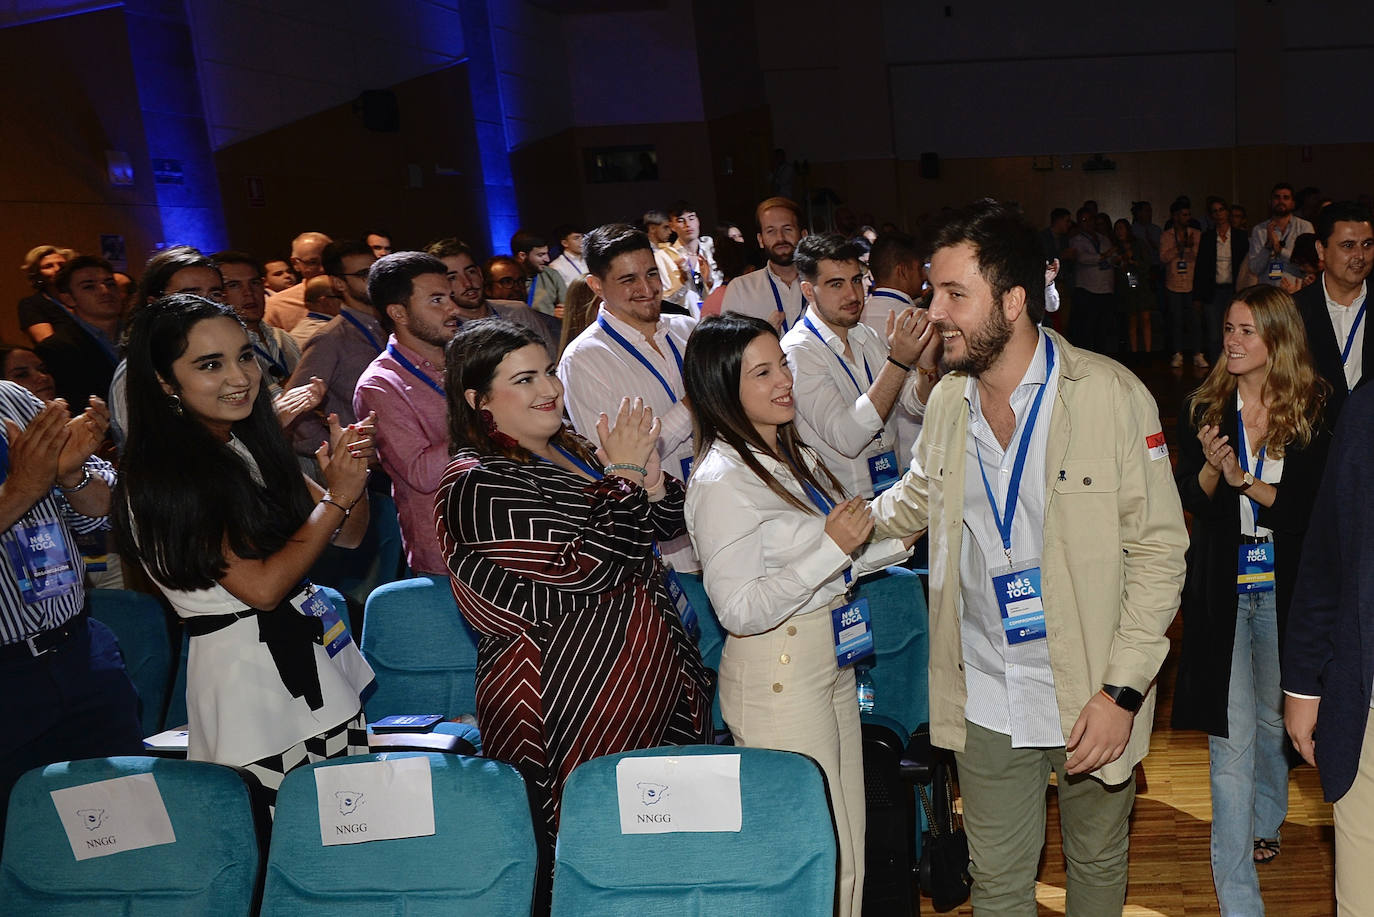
(851, 623)
(1017, 586)
(43, 568)
(1255, 568)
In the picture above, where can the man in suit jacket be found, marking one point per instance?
(1220, 255)
(1328, 657)
(1333, 310)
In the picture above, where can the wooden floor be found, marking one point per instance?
(1170, 860)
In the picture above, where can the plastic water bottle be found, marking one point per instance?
(863, 681)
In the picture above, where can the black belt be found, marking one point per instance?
(290, 638)
(45, 641)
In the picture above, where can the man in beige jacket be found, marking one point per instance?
(1056, 556)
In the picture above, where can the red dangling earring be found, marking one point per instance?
(494, 434)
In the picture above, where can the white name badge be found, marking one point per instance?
(112, 816)
(660, 795)
(375, 801)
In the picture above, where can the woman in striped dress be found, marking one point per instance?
(550, 549)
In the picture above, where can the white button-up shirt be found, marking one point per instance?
(1010, 688)
(1342, 321)
(752, 294)
(764, 560)
(569, 266)
(882, 301)
(834, 413)
(597, 372)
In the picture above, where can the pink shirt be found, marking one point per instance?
(412, 443)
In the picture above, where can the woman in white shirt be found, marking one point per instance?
(211, 500)
(781, 545)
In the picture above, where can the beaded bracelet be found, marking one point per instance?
(626, 466)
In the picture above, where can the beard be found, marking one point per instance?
(982, 347)
(782, 260)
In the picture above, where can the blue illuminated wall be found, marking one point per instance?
(174, 122)
(498, 187)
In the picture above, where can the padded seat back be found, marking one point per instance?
(480, 862)
(421, 649)
(140, 624)
(781, 861)
(213, 867)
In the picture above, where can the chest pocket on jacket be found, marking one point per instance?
(1087, 476)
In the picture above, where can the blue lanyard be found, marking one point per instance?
(414, 370)
(575, 460)
(318, 316)
(1350, 340)
(819, 500)
(279, 366)
(371, 339)
(777, 298)
(573, 264)
(1004, 520)
(629, 348)
(806, 320)
(1244, 454)
(529, 297)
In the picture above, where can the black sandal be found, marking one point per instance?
(1266, 850)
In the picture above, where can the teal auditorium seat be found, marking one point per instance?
(782, 861)
(417, 642)
(480, 862)
(897, 605)
(213, 868)
(140, 624)
(712, 639)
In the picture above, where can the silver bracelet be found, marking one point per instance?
(626, 466)
(86, 478)
(346, 510)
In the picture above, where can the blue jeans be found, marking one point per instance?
(1249, 771)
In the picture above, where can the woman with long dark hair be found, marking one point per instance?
(781, 545)
(212, 502)
(1253, 448)
(551, 551)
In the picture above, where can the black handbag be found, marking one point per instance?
(944, 848)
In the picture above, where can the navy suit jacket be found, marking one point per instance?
(1329, 645)
(1326, 350)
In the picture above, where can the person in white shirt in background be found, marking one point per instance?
(846, 380)
(773, 293)
(632, 349)
(570, 264)
(781, 544)
(696, 252)
(899, 282)
(671, 272)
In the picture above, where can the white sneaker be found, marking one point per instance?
(1176, 362)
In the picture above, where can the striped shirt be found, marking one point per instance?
(19, 619)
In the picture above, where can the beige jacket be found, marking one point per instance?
(1113, 562)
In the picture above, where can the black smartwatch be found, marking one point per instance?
(1125, 698)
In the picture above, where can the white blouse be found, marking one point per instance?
(764, 560)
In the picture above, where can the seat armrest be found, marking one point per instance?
(918, 758)
(420, 741)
